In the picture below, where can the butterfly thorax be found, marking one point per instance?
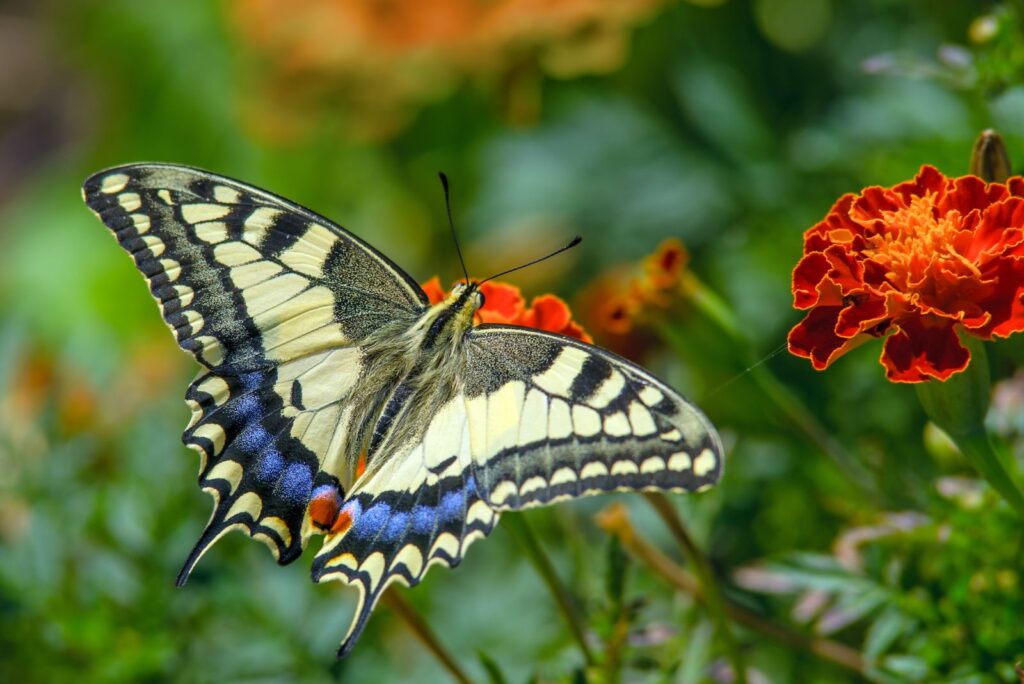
(409, 370)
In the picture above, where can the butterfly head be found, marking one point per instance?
(449, 319)
(468, 295)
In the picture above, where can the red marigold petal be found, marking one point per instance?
(998, 231)
(548, 312)
(917, 352)
(665, 266)
(615, 314)
(551, 313)
(928, 180)
(810, 271)
(503, 303)
(435, 293)
(576, 331)
(846, 271)
(1005, 302)
(814, 337)
(867, 208)
(968, 193)
(835, 224)
(1015, 186)
(861, 315)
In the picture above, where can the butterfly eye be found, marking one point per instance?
(480, 298)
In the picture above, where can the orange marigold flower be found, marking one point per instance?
(665, 267)
(375, 63)
(435, 293)
(917, 263)
(504, 303)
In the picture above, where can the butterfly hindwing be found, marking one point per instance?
(537, 418)
(273, 301)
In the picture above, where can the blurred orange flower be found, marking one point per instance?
(626, 294)
(918, 264)
(504, 303)
(376, 60)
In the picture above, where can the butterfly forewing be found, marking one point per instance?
(273, 300)
(586, 422)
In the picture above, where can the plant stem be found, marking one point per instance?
(714, 601)
(958, 405)
(615, 520)
(977, 448)
(517, 526)
(419, 627)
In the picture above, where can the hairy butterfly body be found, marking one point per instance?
(334, 399)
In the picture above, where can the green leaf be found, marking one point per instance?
(615, 577)
(884, 631)
(494, 673)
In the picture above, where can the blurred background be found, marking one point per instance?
(843, 523)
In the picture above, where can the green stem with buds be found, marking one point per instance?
(958, 406)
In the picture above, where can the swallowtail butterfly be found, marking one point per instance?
(334, 400)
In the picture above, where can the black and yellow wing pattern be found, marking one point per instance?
(540, 418)
(316, 354)
(272, 301)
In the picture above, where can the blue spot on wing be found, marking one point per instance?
(295, 484)
(252, 438)
(423, 519)
(452, 504)
(396, 527)
(269, 465)
(371, 520)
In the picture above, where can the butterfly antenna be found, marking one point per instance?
(451, 223)
(575, 241)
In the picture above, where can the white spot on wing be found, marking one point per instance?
(586, 421)
(229, 471)
(593, 469)
(533, 422)
(559, 420)
(310, 252)
(198, 213)
(558, 378)
(213, 232)
(114, 182)
(652, 464)
(154, 244)
(640, 419)
(235, 253)
(503, 414)
(258, 223)
(226, 195)
(563, 475)
(501, 493)
(624, 468)
(680, 461)
(704, 463)
(129, 201)
(651, 395)
(249, 503)
(608, 391)
(141, 223)
(616, 425)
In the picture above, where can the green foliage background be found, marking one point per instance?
(732, 125)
